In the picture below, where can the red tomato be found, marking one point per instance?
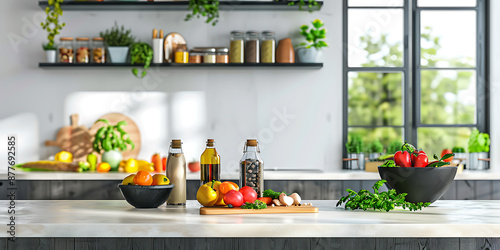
(445, 152)
(249, 195)
(402, 159)
(234, 198)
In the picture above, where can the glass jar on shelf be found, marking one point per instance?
(196, 56)
(209, 55)
(268, 47)
(98, 50)
(222, 55)
(252, 167)
(252, 47)
(82, 50)
(181, 54)
(66, 52)
(237, 47)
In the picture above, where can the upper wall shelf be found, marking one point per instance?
(176, 6)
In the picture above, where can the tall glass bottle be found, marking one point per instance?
(176, 173)
(210, 163)
(252, 167)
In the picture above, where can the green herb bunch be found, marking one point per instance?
(393, 147)
(141, 53)
(302, 3)
(385, 201)
(375, 147)
(111, 137)
(51, 24)
(314, 35)
(257, 204)
(479, 142)
(272, 194)
(118, 36)
(205, 8)
(354, 144)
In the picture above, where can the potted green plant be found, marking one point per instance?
(118, 41)
(479, 146)
(460, 155)
(141, 53)
(311, 51)
(354, 147)
(394, 147)
(112, 139)
(375, 149)
(53, 27)
(205, 8)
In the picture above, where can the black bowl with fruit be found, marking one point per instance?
(412, 173)
(146, 196)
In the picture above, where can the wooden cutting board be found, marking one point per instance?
(268, 210)
(131, 129)
(74, 139)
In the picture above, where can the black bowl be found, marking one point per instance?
(146, 196)
(421, 184)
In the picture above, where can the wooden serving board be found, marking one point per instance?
(268, 210)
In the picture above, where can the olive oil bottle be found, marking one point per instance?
(210, 163)
(176, 173)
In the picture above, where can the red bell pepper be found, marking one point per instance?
(421, 160)
(402, 159)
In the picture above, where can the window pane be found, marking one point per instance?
(375, 99)
(385, 135)
(448, 97)
(448, 39)
(376, 3)
(434, 140)
(447, 3)
(375, 38)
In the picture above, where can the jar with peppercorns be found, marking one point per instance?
(66, 52)
(98, 50)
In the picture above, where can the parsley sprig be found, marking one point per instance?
(257, 204)
(272, 194)
(387, 201)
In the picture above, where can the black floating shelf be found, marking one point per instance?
(185, 65)
(178, 5)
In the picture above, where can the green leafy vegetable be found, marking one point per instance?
(112, 137)
(141, 53)
(389, 164)
(272, 194)
(257, 204)
(479, 142)
(439, 162)
(386, 201)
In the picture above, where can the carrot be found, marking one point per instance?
(156, 160)
(267, 200)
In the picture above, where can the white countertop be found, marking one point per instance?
(268, 175)
(119, 219)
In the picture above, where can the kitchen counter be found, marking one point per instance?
(268, 175)
(118, 219)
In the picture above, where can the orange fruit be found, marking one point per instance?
(160, 179)
(103, 167)
(143, 178)
(228, 186)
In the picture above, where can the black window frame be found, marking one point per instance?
(411, 69)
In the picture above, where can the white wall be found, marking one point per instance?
(240, 104)
(494, 90)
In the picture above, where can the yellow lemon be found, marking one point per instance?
(160, 179)
(129, 180)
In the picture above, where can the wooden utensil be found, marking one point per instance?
(74, 139)
(131, 129)
(268, 210)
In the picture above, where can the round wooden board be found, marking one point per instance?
(131, 129)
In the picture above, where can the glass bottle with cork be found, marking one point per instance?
(210, 163)
(176, 173)
(252, 167)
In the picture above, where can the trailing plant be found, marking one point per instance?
(302, 3)
(314, 35)
(51, 24)
(354, 144)
(375, 147)
(393, 147)
(118, 36)
(205, 8)
(458, 150)
(112, 137)
(385, 201)
(141, 53)
(479, 142)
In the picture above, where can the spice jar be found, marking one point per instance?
(196, 56)
(252, 167)
(237, 52)
(83, 50)
(66, 50)
(98, 50)
(268, 50)
(181, 54)
(209, 55)
(222, 55)
(252, 47)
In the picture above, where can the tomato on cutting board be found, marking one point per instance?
(249, 195)
(234, 198)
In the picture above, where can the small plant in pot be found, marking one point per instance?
(479, 146)
(354, 147)
(460, 155)
(311, 51)
(118, 41)
(53, 28)
(112, 139)
(375, 149)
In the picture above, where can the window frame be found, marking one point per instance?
(411, 69)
